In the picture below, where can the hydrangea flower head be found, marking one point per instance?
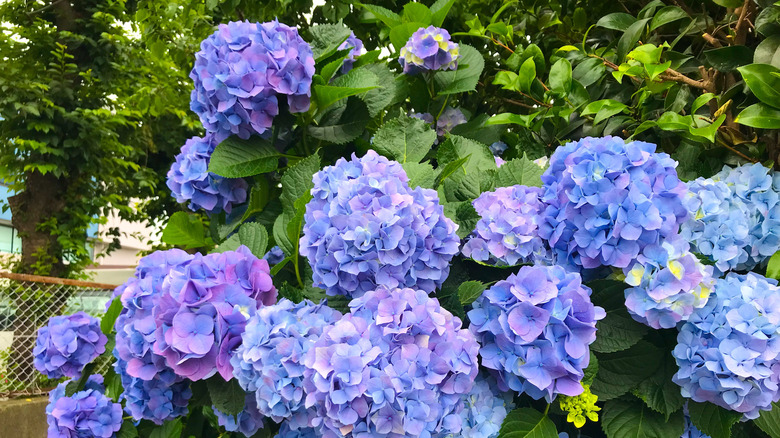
(364, 226)
(397, 365)
(580, 408)
(735, 217)
(484, 409)
(274, 256)
(450, 118)
(508, 230)
(667, 283)
(498, 148)
(429, 49)
(204, 308)
(727, 351)
(190, 181)
(608, 199)
(247, 422)
(354, 43)
(67, 343)
(425, 117)
(307, 432)
(535, 328)
(87, 413)
(268, 363)
(240, 72)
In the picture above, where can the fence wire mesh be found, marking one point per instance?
(26, 303)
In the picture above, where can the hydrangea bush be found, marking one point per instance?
(373, 250)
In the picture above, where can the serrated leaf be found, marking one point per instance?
(280, 234)
(297, 181)
(629, 417)
(384, 15)
(404, 139)
(618, 330)
(391, 90)
(420, 175)
(169, 429)
(463, 214)
(769, 421)
(712, 420)
(659, 392)
(227, 396)
(527, 423)
(238, 158)
(622, 371)
(469, 291)
(400, 34)
(355, 82)
(185, 230)
(343, 124)
(591, 371)
(519, 171)
(128, 430)
(440, 9)
(465, 78)
(326, 39)
(252, 235)
(109, 318)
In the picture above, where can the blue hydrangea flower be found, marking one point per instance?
(484, 409)
(535, 328)
(152, 390)
(204, 308)
(450, 118)
(607, 200)
(241, 70)
(508, 230)
(425, 117)
(190, 181)
(247, 422)
(498, 148)
(354, 43)
(429, 49)
(397, 365)
(268, 362)
(668, 283)
(728, 350)
(274, 256)
(67, 343)
(735, 217)
(307, 432)
(364, 226)
(87, 413)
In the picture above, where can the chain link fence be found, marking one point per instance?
(26, 303)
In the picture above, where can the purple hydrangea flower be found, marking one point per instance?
(190, 180)
(247, 422)
(508, 232)
(498, 148)
(425, 117)
(535, 328)
(668, 283)
(364, 226)
(484, 409)
(204, 308)
(727, 351)
(87, 413)
(499, 161)
(354, 43)
(151, 389)
(397, 365)
(67, 343)
(607, 200)
(735, 217)
(240, 72)
(274, 256)
(450, 118)
(268, 362)
(429, 49)
(308, 432)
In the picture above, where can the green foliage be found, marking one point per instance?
(769, 421)
(185, 230)
(237, 158)
(527, 423)
(629, 417)
(227, 397)
(713, 420)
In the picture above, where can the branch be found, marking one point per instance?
(518, 103)
(712, 40)
(675, 76)
(743, 24)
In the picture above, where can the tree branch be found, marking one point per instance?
(743, 23)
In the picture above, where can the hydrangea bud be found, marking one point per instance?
(67, 343)
(429, 49)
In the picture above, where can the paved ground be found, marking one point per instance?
(23, 418)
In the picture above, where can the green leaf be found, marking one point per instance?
(384, 15)
(469, 291)
(463, 79)
(391, 89)
(709, 130)
(420, 175)
(619, 21)
(629, 38)
(729, 3)
(527, 75)
(666, 15)
(622, 371)
(239, 158)
(712, 420)
(355, 82)
(527, 423)
(759, 116)
(773, 267)
(400, 34)
(618, 330)
(326, 39)
(463, 214)
(670, 121)
(228, 397)
(519, 171)
(727, 59)
(629, 417)
(280, 234)
(128, 430)
(768, 51)
(342, 124)
(440, 9)
(109, 318)
(417, 12)
(763, 83)
(658, 391)
(450, 169)
(700, 101)
(560, 77)
(169, 429)
(589, 71)
(768, 21)
(457, 147)
(769, 421)
(252, 235)
(185, 230)
(404, 139)
(512, 119)
(297, 181)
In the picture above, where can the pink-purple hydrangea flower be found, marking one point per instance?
(204, 308)
(242, 70)
(429, 49)
(535, 329)
(190, 180)
(67, 343)
(364, 227)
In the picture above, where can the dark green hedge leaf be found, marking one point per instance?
(769, 421)
(727, 59)
(228, 397)
(666, 15)
(658, 391)
(622, 371)
(763, 81)
(169, 429)
(527, 423)
(759, 116)
(629, 417)
(342, 124)
(469, 291)
(619, 21)
(618, 331)
(238, 158)
(712, 420)
(768, 51)
(404, 139)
